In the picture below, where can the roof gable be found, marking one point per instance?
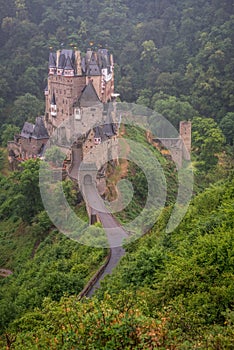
(39, 131)
(98, 133)
(66, 58)
(93, 68)
(88, 97)
(109, 130)
(27, 130)
(68, 64)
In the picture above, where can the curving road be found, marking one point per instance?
(114, 231)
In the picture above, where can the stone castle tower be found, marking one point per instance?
(79, 86)
(68, 79)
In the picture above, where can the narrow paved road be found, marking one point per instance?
(76, 160)
(116, 255)
(114, 231)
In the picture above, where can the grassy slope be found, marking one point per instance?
(43, 263)
(128, 170)
(16, 244)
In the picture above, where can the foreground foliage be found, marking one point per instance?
(171, 291)
(43, 261)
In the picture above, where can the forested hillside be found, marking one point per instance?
(176, 56)
(171, 290)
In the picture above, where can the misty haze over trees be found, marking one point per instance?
(171, 290)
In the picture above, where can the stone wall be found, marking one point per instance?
(31, 147)
(66, 91)
(26, 148)
(102, 153)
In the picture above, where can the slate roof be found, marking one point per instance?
(52, 60)
(88, 97)
(27, 130)
(37, 131)
(93, 70)
(98, 133)
(109, 128)
(92, 67)
(91, 63)
(62, 61)
(66, 56)
(68, 64)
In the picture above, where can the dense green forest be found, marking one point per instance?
(175, 56)
(171, 290)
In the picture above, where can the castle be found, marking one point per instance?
(78, 115)
(79, 87)
(75, 83)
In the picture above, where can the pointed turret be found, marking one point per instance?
(52, 63)
(39, 131)
(68, 69)
(61, 63)
(88, 97)
(93, 68)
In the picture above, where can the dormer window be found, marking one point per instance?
(52, 70)
(77, 113)
(97, 140)
(53, 106)
(69, 72)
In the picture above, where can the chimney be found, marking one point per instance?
(58, 55)
(78, 62)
